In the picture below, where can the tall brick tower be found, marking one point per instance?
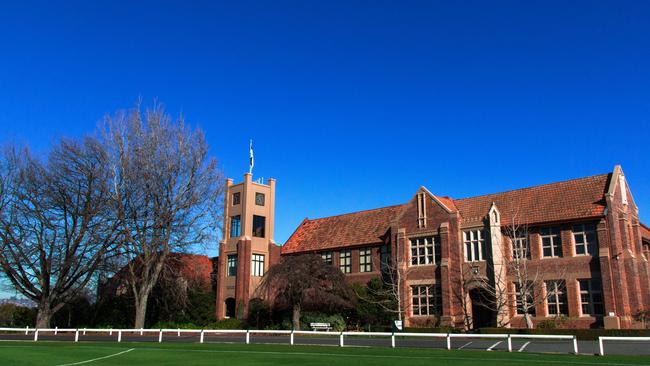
(247, 248)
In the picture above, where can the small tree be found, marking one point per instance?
(305, 281)
(388, 293)
(166, 193)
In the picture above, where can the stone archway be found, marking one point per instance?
(483, 316)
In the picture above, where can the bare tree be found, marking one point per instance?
(518, 269)
(303, 281)
(525, 278)
(56, 225)
(389, 295)
(167, 193)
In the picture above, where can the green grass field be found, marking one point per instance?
(144, 354)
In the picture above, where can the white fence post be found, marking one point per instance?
(201, 339)
(141, 331)
(575, 345)
(76, 335)
(160, 336)
(119, 335)
(448, 341)
(36, 335)
(110, 332)
(291, 338)
(56, 330)
(27, 330)
(84, 331)
(600, 346)
(179, 332)
(341, 340)
(392, 340)
(509, 343)
(248, 336)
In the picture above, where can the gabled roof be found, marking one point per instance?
(571, 199)
(562, 201)
(363, 227)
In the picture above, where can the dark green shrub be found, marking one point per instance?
(259, 314)
(231, 323)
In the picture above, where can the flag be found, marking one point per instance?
(251, 161)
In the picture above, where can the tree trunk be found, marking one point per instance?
(529, 321)
(296, 316)
(140, 311)
(44, 316)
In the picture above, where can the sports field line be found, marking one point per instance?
(454, 358)
(523, 347)
(98, 358)
(494, 345)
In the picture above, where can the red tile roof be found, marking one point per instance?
(571, 199)
(363, 227)
(568, 200)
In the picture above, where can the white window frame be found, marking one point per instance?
(554, 237)
(589, 293)
(258, 265)
(327, 257)
(426, 297)
(345, 261)
(474, 238)
(365, 260)
(584, 230)
(556, 290)
(519, 310)
(423, 250)
(520, 243)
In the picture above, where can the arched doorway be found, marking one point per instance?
(483, 316)
(230, 307)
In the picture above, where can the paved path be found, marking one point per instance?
(518, 345)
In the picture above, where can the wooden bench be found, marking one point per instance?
(320, 326)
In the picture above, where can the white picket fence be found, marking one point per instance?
(601, 347)
(448, 337)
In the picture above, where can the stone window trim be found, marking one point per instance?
(580, 234)
(520, 244)
(519, 311)
(428, 297)
(556, 298)
(590, 291)
(550, 238)
(474, 244)
(427, 248)
(422, 209)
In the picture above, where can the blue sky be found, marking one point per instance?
(352, 104)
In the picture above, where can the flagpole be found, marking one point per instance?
(251, 161)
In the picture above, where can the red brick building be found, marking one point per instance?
(460, 261)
